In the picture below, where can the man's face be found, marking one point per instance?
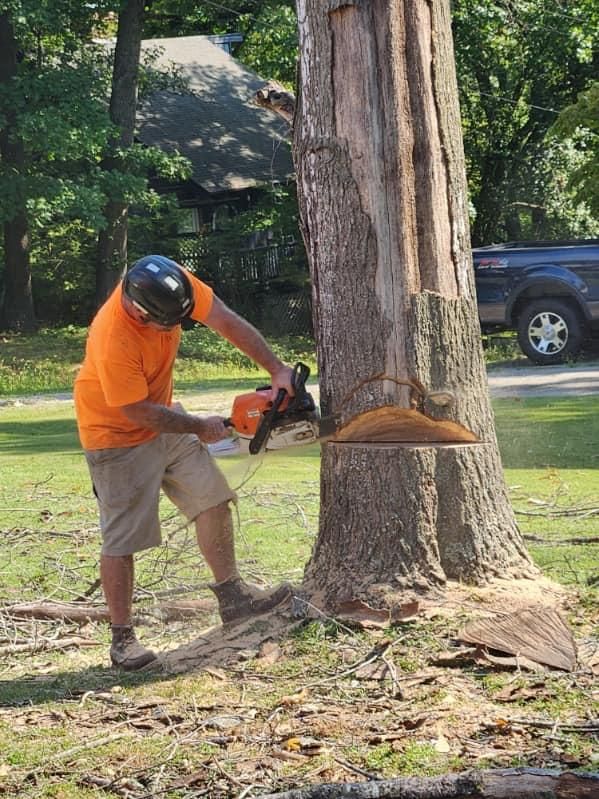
(140, 315)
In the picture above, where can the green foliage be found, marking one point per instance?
(269, 30)
(579, 125)
(518, 64)
(271, 43)
(57, 108)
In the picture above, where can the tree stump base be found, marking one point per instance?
(440, 520)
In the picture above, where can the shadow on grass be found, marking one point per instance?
(38, 436)
(71, 685)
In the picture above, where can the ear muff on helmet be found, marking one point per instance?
(161, 288)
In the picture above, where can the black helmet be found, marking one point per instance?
(160, 287)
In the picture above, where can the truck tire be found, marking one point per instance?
(550, 331)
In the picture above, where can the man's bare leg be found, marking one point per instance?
(214, 533)
(117, 574)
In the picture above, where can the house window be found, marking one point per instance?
(221, 215)
(189, 221)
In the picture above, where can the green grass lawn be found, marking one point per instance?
(66, 717)
(48, 515)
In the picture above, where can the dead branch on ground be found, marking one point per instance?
(516, 783)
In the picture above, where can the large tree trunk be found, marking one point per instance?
(112, 241)
(16, 311)
(382, 189)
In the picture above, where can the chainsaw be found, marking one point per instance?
(263, 424)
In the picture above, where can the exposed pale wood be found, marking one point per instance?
(539, 634)
(517, 783)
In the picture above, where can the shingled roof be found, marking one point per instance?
(231, 143)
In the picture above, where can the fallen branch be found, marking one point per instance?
(591, 726)
(562, 541)
(516, 783)
(63, 611)
(46, 644)
(81, 614)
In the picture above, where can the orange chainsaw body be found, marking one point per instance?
(248, 410)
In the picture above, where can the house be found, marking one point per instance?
(234, 147)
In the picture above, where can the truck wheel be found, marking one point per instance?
(550, 331)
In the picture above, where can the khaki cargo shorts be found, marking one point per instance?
(127, 483)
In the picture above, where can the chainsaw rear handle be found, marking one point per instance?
(298, 380)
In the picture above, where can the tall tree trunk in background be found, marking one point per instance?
(16, 310)
(383, 201)
(112, 241)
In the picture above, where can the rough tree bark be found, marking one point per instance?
(16, 310)
(381, 181)
(112, 241)
(516, 783)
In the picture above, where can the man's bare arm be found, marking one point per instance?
(246, 338)
(174, 420)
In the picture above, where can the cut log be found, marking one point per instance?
(517, 783)
(539, 634)
(65, 611)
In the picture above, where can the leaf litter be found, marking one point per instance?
(283, 702)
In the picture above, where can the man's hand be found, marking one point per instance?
(174, 420)
(282, 378)
(211, 429)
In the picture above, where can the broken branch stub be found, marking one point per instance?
(276, 98)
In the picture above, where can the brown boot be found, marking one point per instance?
(126, 652)
(237, 599)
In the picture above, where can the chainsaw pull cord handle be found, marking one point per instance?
(298, 381)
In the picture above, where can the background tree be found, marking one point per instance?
(112, 241)
(519, 63)
(579, 124)
(54, 106)
(383, 204)
(16, 309)
(43, 81)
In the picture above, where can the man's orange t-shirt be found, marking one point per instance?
(125, 362)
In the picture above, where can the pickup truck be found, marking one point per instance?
(548, 291)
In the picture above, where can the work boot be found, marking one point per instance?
(126, 652)
(238, 600)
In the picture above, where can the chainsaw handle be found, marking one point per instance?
(265, 425)
(300, 374)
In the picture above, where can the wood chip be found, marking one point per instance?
(537, 634)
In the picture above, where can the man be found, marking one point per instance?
(136, 441)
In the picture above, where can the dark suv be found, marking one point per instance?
(546, 290)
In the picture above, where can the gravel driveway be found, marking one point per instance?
(544, 381)
(516, 381)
